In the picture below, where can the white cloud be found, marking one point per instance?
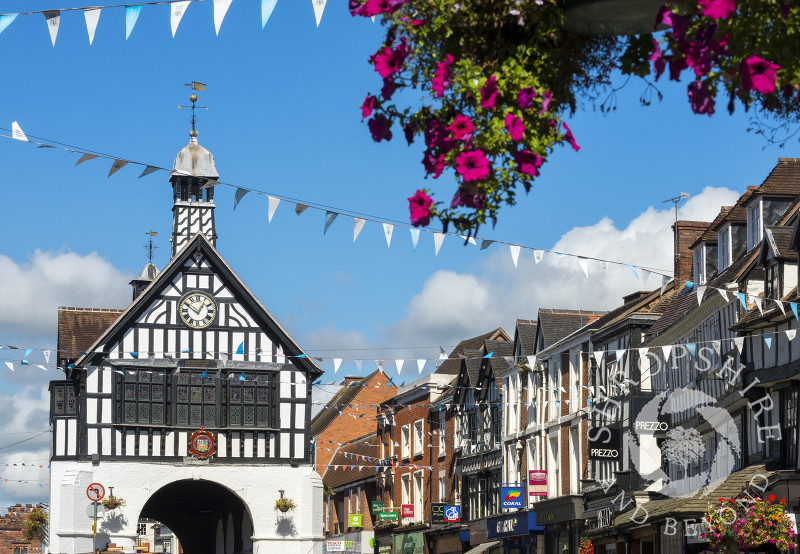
(32, 291)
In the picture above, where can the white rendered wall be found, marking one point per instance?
(256, 485)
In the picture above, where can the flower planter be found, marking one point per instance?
(611, 17)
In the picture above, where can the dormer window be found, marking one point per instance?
(763, 211)
(704, 262)
(724, 253)
(754, 227)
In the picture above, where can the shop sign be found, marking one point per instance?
(407, 510)
(537, 483)
(604, 444)
(387, 516)
(605, 517)
(437, 512)
(452, 513)
(508, 526)
(648, 420)
(410, 543)
(547, 517)
(512, 497)
(354, 520)
(334, 546)
(376, 507)
(385, 549)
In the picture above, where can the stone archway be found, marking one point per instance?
(206, 517)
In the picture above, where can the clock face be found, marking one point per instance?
(197, 310)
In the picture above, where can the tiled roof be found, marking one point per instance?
(780, 240)
(79, 328)
(710, 234)
(783, 180)
(771, 313)
(500, 349)
(452, 364)
(737, 214)
(526, 334)
(650, 303)
(729, 487)
(342, 398)
(556, 324)
(359, 453)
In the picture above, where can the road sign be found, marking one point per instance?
(101, 510)
(387, 515)
(95, 492)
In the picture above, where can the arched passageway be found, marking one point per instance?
(206, 517)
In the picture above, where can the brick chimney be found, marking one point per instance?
(685, 233)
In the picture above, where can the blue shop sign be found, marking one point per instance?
(512, 497)
(508, 526)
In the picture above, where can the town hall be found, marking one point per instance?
(193, 404)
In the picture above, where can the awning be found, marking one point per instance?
(483, 547)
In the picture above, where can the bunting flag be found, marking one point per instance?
(538, 255)
(442, 354)
(768, 340)
(717, 346)
(53, 19)
(240, 349)
(666, 350)
(633, 269)
(438, 239)
(414, 238)
(399, 364)
(358, 364)
(85, 158)
(336, 363)
(16, 132)
(645, 276)
(6, 20)
(742, 300)
(358, 224)
(793, 306)
(664, 283)
(739, 342)
(92, 16)
(10, 366)
(486, 243)
(220, 9)
(532, 361)
(300, 208)
(330, 217)
(723, 293)
(691, 348)
(46, 354)
(514, 249)
(148, 170)
(131, 16)
(238, 196)
(176, 13)
(758, 300)
(598, 357)
(780, 306)
(319, 7)
(272, 206)
(116, 166)
(791, 333)
(266, 10)
(388, 228)
(584, 264)
(701, 291)
(379, 363)
(620, 353)
(421, 365)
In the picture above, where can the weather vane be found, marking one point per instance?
(194, 85)
(150, 246)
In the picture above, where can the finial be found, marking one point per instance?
(150, 246)
(194, 85)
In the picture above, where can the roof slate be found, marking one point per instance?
(339, 401)
(780, 239)
(710, 234)
(556, 324)
(783, 180)
(452, 364)
(737, 214)
(79, 328)
(526, 334)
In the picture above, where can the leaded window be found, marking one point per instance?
(789, 402)
(251, 402)
(65, 401)
(140, 398)
(196, 398)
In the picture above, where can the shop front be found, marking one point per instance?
(516, 532)
(350, 543)
(409, 543)
(563, 523)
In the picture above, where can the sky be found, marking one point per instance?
(283, 117)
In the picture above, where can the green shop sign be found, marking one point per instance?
(354, 520)
(410, 543)
(376, 507)
(387, 516)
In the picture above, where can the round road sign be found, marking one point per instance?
(95, 492)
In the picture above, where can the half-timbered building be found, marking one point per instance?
(193, 403)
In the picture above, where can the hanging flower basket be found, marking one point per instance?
(113, 502)
(733, 524)
(586, 546)
(285, 504)
(34, 526)
(327, 491)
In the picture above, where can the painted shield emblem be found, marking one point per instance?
(201, 444)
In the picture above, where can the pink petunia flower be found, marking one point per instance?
(717, 9)
(514, 126)
(472, 165)
(659, 63)
(433, 164)
(489, 93)
(408, 131)
(700, 98)
(467, 198)
(570, 138)
(377, 7)
(525, 98)
(367, 106)
(388, 88)
(758, 74)
(441, 79)
(389, 61)
(420, 207)
(380, 127)
(546, 99)
(528, 163)
(461, 127)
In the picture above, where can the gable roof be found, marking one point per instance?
(79, 328)
(199, 243)
(710, 234)
(779, 242)
(783, 180)
(525, 335)
(452, 364)
(738, 213)
(555, 324)
(359, 453)
(339, 401)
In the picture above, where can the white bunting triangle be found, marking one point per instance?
(442, 354)
(16, 132)
(414, 238)
(701, 291)
(10, 366)
(514, 253)
(358, 224)
(531, 361)
(780, 306)
(598, 357)
(319, 7)
(92, 15)
(438, 239)
(336, 363)
(645, 277)
(739, 342)
(666, 350)
(421, 365)
(723, 293)
(176, 12)
(664, 283)
(791, 333)
(717, 346)
(131, 17)
(272, 206)
(399, 364)
(584, 263)
(46, 354)
(266, 10)
(379, 363)
(537, 256)
(388, 229)
(53, 18)
(759, 301)
(220, 9)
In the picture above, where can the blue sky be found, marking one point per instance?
(284, 118)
